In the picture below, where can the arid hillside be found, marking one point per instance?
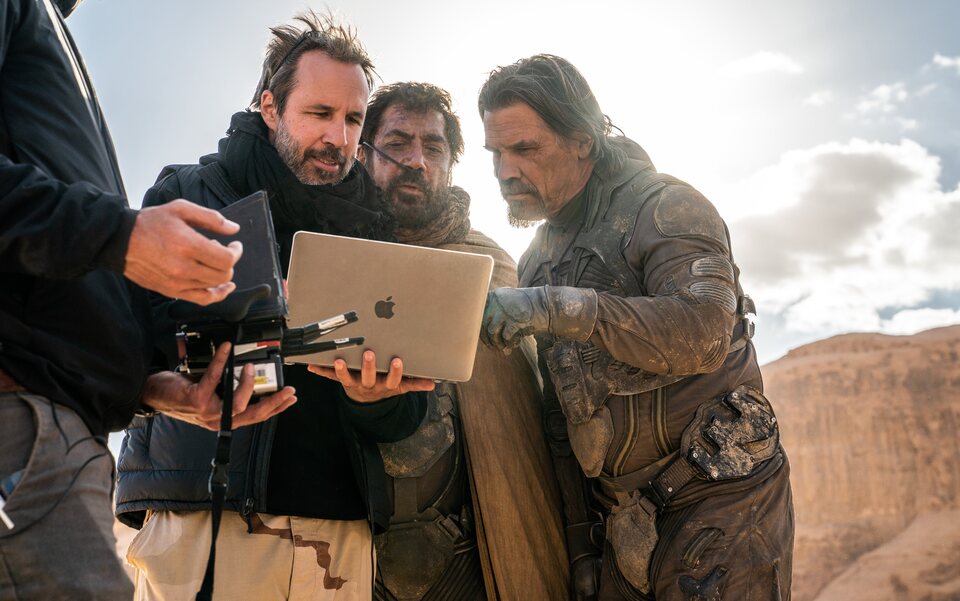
(871, 424)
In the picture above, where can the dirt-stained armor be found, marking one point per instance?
(686, 490)
(431, 544)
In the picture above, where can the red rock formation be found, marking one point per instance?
(870, 423)
(920, 563)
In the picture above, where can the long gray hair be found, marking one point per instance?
(556, 90)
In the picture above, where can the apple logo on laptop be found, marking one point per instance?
(384, 308)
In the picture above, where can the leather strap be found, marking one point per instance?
(405, 506)
(611, 485)
(669, 482)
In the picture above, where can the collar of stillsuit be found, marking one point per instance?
(600, 185)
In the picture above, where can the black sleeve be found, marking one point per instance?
(47, 227)
(165, 189)
(54, 230)
(389, 420)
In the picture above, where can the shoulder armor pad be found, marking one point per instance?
(682, 211)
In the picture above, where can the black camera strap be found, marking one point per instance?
(220, 476)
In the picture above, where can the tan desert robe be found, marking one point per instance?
(515, 494)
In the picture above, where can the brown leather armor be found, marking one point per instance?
(671, 336)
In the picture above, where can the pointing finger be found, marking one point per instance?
(208, 219)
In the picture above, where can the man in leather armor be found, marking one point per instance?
(674, 484)
(476, 507)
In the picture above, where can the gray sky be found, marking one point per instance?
(827, 133)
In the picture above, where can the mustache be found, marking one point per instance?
(410, 176)
(515, 186)
(328, 153)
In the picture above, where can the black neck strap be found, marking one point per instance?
(220, 475)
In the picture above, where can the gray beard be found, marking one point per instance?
(519, 220)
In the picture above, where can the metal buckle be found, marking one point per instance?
(745, 308)
(450, 527)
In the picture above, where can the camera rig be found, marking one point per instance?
(263, 341)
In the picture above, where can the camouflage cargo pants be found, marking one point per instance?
(290, 558)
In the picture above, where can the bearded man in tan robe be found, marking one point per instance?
(476, 506)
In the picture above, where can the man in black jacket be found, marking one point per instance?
(303, 485)
(75, 347)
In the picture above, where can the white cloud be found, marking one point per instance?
(882, 105)
(855, 229)
(917, 320)
(883, 99)
(907, 124)
(947, 62)
(819, 98)
(763, 62)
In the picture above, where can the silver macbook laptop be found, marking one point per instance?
(423, 305)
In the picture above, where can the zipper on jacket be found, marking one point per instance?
(700, 543)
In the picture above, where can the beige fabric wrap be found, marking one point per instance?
(515, 495)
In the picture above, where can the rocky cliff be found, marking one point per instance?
(922, 562)
(871, 424)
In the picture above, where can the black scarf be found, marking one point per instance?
(354, 207)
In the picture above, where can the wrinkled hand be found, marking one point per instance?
(511, 314)
(197, 402)
(370, 386)
(167, 255)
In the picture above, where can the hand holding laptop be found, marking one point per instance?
(370, 387)
(421, 304)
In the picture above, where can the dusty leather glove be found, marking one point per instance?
(512, 313)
